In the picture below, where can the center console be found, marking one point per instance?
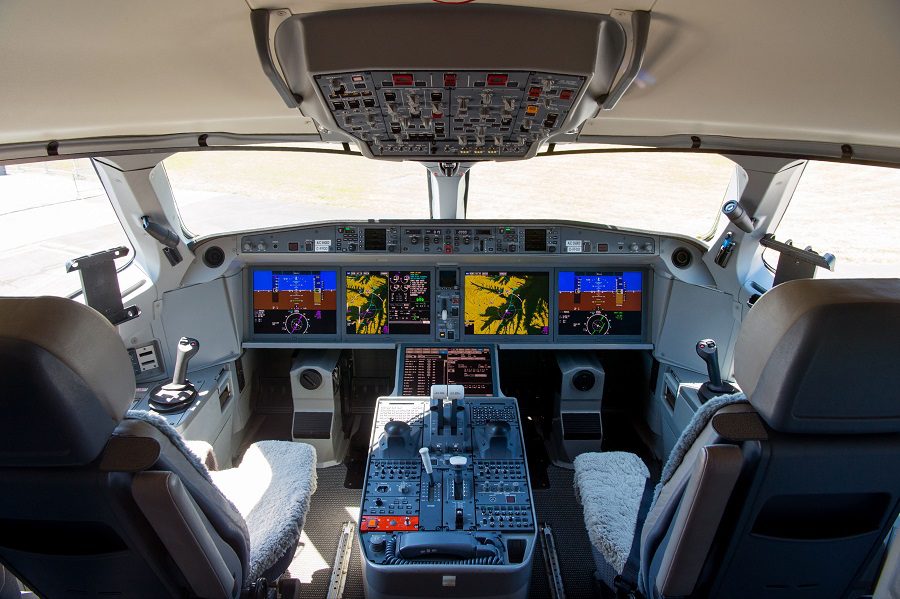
(447, 504)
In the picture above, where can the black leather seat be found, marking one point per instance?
(791, 494)
(96, 504)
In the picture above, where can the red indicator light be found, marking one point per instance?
(497, 79)
(402, 79)
(534, 91)
(293, 246)
(565, 94)
(449, 79)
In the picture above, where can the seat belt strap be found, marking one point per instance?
(626, 582)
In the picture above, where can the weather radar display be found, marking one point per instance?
(292, 302)
(507, 303)
(389, 303)
(600, 303)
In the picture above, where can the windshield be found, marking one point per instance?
(222, 191)
(668, 192)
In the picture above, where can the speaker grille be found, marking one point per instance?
(581, 426)
(681, 257)
(213, 257)
(312, 425)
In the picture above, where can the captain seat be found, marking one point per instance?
(96, 502)
(787, 491)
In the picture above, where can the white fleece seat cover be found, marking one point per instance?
(610, 486)
(271, 489)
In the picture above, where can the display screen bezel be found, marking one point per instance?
(551, 305)
(495, 363)
(604, 339)
(251, 328)
(342, 326)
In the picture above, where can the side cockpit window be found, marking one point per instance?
(51, 212)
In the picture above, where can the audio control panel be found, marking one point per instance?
(450, 114)
(447, 482)
(449, 237)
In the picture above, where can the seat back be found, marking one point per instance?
(793, 494)
(94, 504)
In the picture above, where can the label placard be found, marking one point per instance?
(323, 245)
(573, 246)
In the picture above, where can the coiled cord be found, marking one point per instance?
(392, 559)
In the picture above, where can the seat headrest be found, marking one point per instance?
(65, 382)
(821, 356)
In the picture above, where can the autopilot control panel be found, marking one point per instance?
(447, 478)
(450, 114)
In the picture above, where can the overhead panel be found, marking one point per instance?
(506, 80)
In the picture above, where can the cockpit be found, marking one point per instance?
(449, 299)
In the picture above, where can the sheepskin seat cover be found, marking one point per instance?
(610, 486)
(271, 489)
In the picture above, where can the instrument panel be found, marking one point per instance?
(448, 304)
(460, 281)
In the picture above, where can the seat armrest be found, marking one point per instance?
(698, 518)
(205, 452)
(184, 532)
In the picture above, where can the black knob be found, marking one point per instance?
(396, 428)
(310, 379)
(584, 380)
(497, 428)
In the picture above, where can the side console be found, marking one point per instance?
(447, 505)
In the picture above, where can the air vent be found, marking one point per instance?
(584, 380)
(312, 425)
(581, 426)
(214, 256)
(310, 379)
(681, 257)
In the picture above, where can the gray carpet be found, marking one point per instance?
(557, 506)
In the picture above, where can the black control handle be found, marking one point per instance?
(708, 351)
(187, 349)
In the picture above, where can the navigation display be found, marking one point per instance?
(470, 367)
(507, 303)
(294, 302)
(601, 303)
(396, 302)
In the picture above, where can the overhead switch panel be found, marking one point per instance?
(450, 114)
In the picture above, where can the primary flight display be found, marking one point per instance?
(600, 303)
(507, 303)
(295, 302)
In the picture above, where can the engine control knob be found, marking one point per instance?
(526, 124)
(463, 140)
(479, 141)
(486, 96)
(509, 104)
(413, 100)
(370, 118)
(348, 120)
(426, 120)
(391, 107)
(463, 104)
(498, 140)
(404, 122)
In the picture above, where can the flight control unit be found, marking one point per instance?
(447, 505)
